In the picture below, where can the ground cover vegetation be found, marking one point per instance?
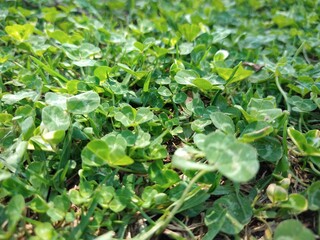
(159, 119)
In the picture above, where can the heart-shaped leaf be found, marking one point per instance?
(223, 122)
(233, 211)
(236, 160)
(98, 153)
(55, 118)
(83, 103)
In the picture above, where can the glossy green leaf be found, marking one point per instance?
(143, 115)
(126, 116)
(185, 77)
(277, 193)
(83, 103)
(54, 118)
(54, 137)
(255, 131)
(15, 154)
(261, 110)
(236, 74)
(301, 142)
(98, 153)
(223, 122)
(56, 99)
(235, 160)
(164, 91)
(186, 48)
(221, 55)
(189, 31)
(20, 32)
(14, 98)
(202, 84)
(296, 203)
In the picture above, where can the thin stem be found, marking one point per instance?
(283, 93)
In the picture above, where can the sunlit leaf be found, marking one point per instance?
(55, 118)
(83, 103)
(19, 32)
(236, 160)
(98, 153)
(223, 122)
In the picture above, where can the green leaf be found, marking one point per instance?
(314, 196)
(185, 48)
(143, 115)
(137, 74)
(129, 116)
(200, 124)
(293, 230)
(223, 122)
(54, 118)
(184, 158)
(56, 99)
(255, 131)
(54, 137)
(105, 195)
(277, 193)
(164, 91)
(282, 19)
(83, 103)
(296, 203)
(189, 31)
(202, 84)
(18, 96)
(234, 212)
(102, 72)
(185, 77)
(14, 211)
(84, 62)
(38, 205)
(235, 160)
(45, 231)
(302, 105)
(20, 32)
(301, 142)
(236, 74)
(214, 220)
(261, 109)
(15, 154)
(126, 116)
(162, 176)
(269, 149)
(98, 153)
(220, 55)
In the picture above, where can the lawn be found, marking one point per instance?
(145, 119)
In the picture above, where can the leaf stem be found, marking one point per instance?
(283, 93)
